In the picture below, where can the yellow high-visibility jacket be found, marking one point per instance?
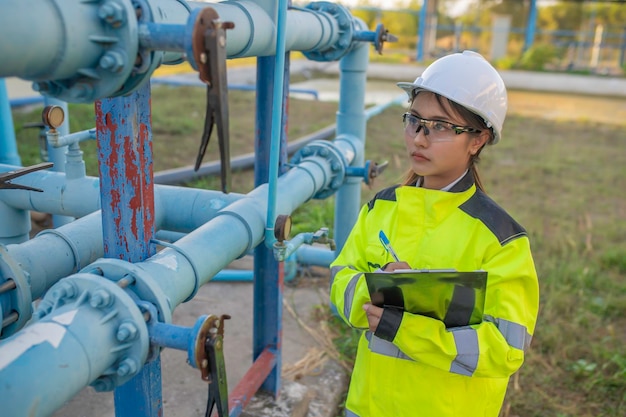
(413, 365)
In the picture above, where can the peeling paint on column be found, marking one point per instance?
(125, 163)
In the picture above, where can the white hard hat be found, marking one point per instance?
(469, 80)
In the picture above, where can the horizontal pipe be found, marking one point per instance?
(177, 209)
(189, 82)
(170, 335)
(59, 141)
(178, 175)
(54, 53)
(68, 249)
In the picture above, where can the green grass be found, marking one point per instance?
(561, 176)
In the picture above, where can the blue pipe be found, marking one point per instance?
(180, 81)
(277, 119)
(57, 346)
(25, 101)
(58, 141)
(531, 26)
(351, 122)
(421, 31)
(56, 155)
(8, 145)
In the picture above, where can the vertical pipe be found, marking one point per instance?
(268, 273)
(57, 155)
(421, 31)
(8, 145)
(531, 26)
(127, 194)
(351, 120)
(277, 119)
(15, 223)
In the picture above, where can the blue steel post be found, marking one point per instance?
(268, 273)
(127, 195)
(8, 146)
(531, 26)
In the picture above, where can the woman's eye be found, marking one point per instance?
(439, 126)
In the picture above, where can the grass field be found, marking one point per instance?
(560, 170)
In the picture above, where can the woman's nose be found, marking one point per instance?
(420, 138)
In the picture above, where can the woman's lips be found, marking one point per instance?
(417, 156)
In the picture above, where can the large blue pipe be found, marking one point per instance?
(85, 67)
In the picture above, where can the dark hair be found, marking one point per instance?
(472, 120)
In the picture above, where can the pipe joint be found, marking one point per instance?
(346, 25)
(15, 285)
(136, 280)
(78, 301)
(336, 163)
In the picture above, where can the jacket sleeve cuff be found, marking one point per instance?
(389, 324)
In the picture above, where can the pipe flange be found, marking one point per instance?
(146, 61)
(20, 298)
(136, 280)
(114, 32)
(346, 26)
(119, 313)
(326, 150)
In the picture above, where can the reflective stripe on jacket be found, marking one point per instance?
(418, 367)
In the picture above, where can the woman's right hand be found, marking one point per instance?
(392, 266)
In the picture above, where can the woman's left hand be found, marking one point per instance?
(373, 314)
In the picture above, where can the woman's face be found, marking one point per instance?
(440, 156)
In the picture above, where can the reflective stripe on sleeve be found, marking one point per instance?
(515, 334)
(348, 296)
(383, 347)
(466, 341)
(334, 271)
(350, 413)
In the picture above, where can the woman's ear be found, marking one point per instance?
(478, 141)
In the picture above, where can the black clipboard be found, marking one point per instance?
(456, 298)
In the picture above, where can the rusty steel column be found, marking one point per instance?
(124, 135)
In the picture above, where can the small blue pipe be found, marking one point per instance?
(241, 87)
(531, 26)
(169, 335)
(156, 36)
(66, 140)
(8, 145)
(56, 155)
(277, 107)
(421, 31)
(25, 101)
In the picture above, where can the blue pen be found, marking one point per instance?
(387, 245)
